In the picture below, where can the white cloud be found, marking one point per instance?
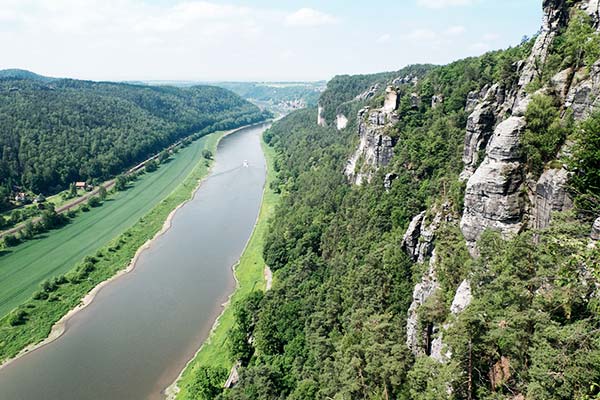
(490, 37)
(437, 4)
(422, 34)
(386, 37)
(309, 17)
(455, 30)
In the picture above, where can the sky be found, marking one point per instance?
(241, 40)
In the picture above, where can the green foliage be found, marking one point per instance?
(585, 163)
(207, 154)
(545, 132)
(344, 88)
(65, 130)
(151, 166)
(120, 183)
(578, 46)
(17, 317)
(208, 383)
(102, 193)
(94, 201)
(533, 307)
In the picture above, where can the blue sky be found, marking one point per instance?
(252, 40)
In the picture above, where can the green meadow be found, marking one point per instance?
(24, 267)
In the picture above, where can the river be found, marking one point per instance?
(136, 336)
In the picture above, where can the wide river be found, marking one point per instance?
(136, 336)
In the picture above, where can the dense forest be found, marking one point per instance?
(334, 326)
(57, 131)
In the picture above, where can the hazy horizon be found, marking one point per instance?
(241, 41)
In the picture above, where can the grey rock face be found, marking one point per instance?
(410, 241)
(320, 118)
(555, 17)
(584, 95)
(550, 196)
(492, 197)
(422, 291)
(462, 298)
(595, 235)
(387, 181)
(341, 122)
(390, 103)
(480, 126)
(437, 101)
(370, 92)
(376, 148)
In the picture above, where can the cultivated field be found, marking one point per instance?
(24, 267)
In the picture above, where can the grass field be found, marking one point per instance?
(24, 267)
(250, 276)
(36, 317)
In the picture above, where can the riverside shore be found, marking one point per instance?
(61, 326)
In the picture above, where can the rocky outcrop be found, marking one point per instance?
(584, 94)
(341, 122)
(556, 13)
(422, 291)
(480, 126)
(410, 241)
(551, 196)
(437, 101)
(389, 178)
(410, 79)
(320, 118)
(595, 234)
(418, 241)
(376, 147)
(367, 94)
(390, 103)
(492, 197)
(462, 298)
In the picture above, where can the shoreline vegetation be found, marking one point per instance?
(250, 275)
(39, 321)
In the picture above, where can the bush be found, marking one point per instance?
(94, 202)
(208, 383)
(10, 240)
(207, 154)
(120, 183)
(545, 133)
(151, 166)
(17, 317)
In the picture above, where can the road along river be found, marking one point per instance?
(136, 336)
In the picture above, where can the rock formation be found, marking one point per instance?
(376, 147)
(595, 234)
(341, 122)
(320, 118)
(550, 196)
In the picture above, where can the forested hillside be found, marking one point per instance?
(54, 132)
(443, 244)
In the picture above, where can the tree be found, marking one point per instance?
(10, 240)
(120, 183)
(94, 202)
(72, 191)
(151, 166)
(207, 154)
(207, 383)
(102, 193)
(163, 156)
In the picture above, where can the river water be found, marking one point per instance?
(141, 329)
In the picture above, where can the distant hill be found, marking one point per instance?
(23, 74)
(56, 131)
